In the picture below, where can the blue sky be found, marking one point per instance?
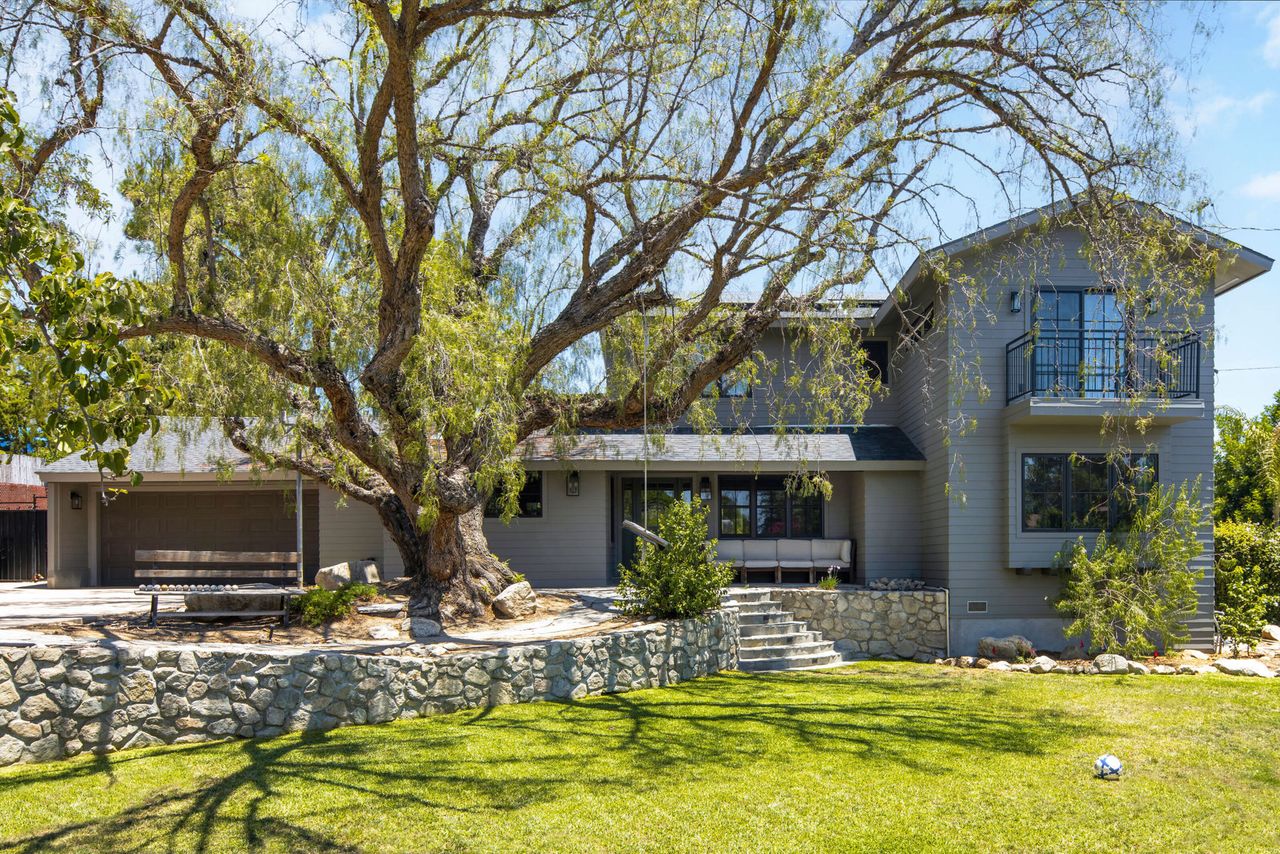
(1229, 117)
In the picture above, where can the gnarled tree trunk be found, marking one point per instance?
(455, 576)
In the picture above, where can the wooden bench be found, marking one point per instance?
(172, 572)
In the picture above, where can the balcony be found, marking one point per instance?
(1072, 373)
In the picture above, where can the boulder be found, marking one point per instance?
(1011, 648)
(1111, 663)
(1193, 653)
(1163, 669)
(1243, 667)
(1043, 664)
(1195, 669)
(333, 577)
(516, 601)
(422, 627)
(1000, 665)
(1270, 632)
(384, 632)
(1138, 668)
(234, 601)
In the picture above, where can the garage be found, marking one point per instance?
(226, 519)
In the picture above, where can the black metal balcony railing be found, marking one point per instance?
(1083, 363)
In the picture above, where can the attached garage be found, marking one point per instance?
(229, 518)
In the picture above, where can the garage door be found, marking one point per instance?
(227, 519)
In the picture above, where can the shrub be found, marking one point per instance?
(1256, 547)
(319, 606)
(1136, 586)
(683, 580)
(829, 581)
(1242, 603)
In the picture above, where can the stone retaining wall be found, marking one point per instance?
(876, 623)
(60, 701)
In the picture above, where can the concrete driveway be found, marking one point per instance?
(23, 604)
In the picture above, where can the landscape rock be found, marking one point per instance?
(333, 577)
(1138, 668)
(1111, 663)
(382, 609)
(1042, 664)
(1196, 669)
(1163, 669)
(1244, 667)
(384, 632)
(1011, 648)
(423, 627)
(234, 601)
(517, 601)
(1270, 632)
(1194, 654)
(999, 665)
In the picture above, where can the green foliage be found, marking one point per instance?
(318, 606)
(1246, 481)
(681, 581)
(1132, 592)
(1255, 549)
(828, 581)
(67, 380)
(1242, 602)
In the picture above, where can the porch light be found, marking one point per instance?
(704, 489)
(572, 485)
(1015, 302)
(75, 501)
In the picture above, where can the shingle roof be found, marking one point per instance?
(207, 451)
(177, 450)
(872, 443)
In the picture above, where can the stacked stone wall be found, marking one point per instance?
(909, 624)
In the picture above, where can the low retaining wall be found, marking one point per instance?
(60, 701)
(877, 623)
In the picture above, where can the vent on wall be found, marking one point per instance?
(976, 606)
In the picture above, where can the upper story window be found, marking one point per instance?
(529, 501)
(1083, 492)
(877, 356)
(761, 507)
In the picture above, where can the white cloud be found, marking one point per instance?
(1217, 110)
(1263, 187)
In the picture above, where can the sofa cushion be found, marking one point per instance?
(729, 551)
(831, 552)
(754, 551)
(794, 554)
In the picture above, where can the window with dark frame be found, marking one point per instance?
(1083, 492)
(529, 500)
(877, 359)
(761, 508)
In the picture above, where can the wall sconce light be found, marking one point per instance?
(704, 489)
(572, 485)
(1015, 302)
(76, 501)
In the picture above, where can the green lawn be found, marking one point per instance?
(878, 756)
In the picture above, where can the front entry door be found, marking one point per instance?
(662, 492)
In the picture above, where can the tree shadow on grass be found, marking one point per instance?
(287, 792)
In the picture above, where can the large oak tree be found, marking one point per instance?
(406, 229)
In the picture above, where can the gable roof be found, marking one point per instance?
(1245, 263)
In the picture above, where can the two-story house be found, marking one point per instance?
(971, 480)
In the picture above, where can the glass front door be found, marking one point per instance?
(635, 501)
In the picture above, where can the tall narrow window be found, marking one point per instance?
(735, 507)
(1089, 491)
(1043, 482)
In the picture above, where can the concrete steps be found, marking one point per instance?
(772, 640)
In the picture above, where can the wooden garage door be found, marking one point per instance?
(230, 520)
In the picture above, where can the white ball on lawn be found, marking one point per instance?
(1107, 767)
